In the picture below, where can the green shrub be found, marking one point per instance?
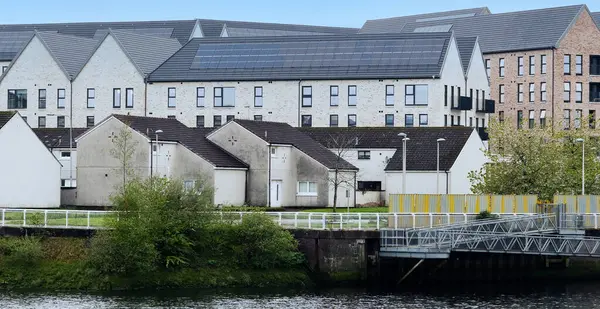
(486, 215)
(25, 251)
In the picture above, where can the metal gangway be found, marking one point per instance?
(556, 234)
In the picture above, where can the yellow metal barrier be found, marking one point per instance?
(462, 203)
(582, 204)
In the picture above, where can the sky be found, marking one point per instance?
(343, 13)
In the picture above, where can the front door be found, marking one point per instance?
(276, 193)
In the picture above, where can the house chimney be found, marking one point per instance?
(356, 143)
(266, 134)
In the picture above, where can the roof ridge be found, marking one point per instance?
(129, 32)
(272, 23)
(430, 13)
(97, 22)
(332, 37)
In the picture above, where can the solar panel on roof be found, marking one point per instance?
(157, 32)
(445, 17)
(12, 42)
(439, 28)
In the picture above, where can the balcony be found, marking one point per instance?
(490, 106)
(483, 134)
(464, 104)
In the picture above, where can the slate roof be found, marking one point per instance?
(57, 137)
(283, 133)
(465, 49)
(596, 17)
(70, 52)
(395, 24)
(421, 148)
(192, 138)
(417, 55)
(213, 28)
(522, 30)
(147, 52)
(5, 117)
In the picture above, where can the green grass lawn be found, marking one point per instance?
(352, 210)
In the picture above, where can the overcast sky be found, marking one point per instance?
(346, 13)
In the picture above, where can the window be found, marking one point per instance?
(17, 98)
(578, 92)
(258, 118)
(594, 92)
(389, 120)
(273, 152)
(60, 121)
(567, 65)
(333, 120)
(592, 119)
(542, 118)
(458, 120)
(129, 98)
(519, 93)
(389, 95)
(501, 94)
(41, 121)
(579, 65)
(60, 98)
(594, 65)
(91, 98)
(531, 65)
(415, 95)
(483, 122)
(369, 186)
(488, 67)
(567, 92)
(171, 97)
(501, 67)
(352, 120)
(452, 96)
(451, 120)
(519, 119)
(352, 95)
(544, 64)
(201, 94)
(445, 120)
(65, 154)
(90, 121)
(224, 97)
(217, 121)
(521, 65)
(471, 121)
(229, 118)
(4, 68)
(409, 120)
(258, 96)
(531, 92)
(543, 91)
(567, 118)
(334, 98)
(501, 116)
(307, 188)
(200, 121)
(306, 96)
(531, 119)
(42, 98)
(424, 120)
(578, 115)
(445, 95)
(364, 155)
(476, 123)
(189, 185)
(116, 98)
(306, 120)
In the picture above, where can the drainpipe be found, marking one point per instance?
(145, 96)
(467, 92)
(269, 182)
(553, 89)
(299, 103)
(354, 188)
(447, 183)
(71, 132)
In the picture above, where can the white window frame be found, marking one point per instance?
(412, 97)
(258, 96)
(91, 98)
(389, 95)
(308, 191)
(306, 96)
(352, 95)
(200, 96)
(61, 98)
(171, 97)
(334, 95)
(128, 100)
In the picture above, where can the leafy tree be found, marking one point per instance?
(541, 160)
(124, 147)
(343, 146)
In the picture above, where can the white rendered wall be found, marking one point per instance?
(471, 158)
(230, 187)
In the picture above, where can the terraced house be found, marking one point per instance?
(541, 64)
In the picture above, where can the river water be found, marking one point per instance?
(584, 296)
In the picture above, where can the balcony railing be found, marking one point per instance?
(463, 104)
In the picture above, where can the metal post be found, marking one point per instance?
(3, 216)
(437, 175)
(67, 218)
(45, 218)
(296, 220)
(378, 227)
(88, 219)
(360, 222)
(583, 168)
(280, 221)
(404, 165)
(24, 217)
(309, 223)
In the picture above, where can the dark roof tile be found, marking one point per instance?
(213, 28)
(465, 49)
(58, 137)
(5, 117)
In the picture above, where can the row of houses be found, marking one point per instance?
(246, 162)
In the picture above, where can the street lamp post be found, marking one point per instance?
(437, 182)
(404, 140)
(582, 141)
(156, 134)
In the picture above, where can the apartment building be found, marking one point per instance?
(360, 80)
(541, 64)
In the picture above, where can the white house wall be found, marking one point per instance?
(477, 79)
(4, 65)
(230, 187)
(109, 68)
(416, 182)
(69, 170)
(283, 168)
(36, 69)
(471, 158)
(30, 175)
(372, 169)
(345, 191)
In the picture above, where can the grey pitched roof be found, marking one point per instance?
(596, 16)
(395, 24)
(421, 150)
(57, 137)
(192, 138)
(465, 49)
(70, 52)
(410, 55)
(213, 28)
(522, 30)
(147, 52)
(283, 133)
(5, 117)
(249, 32)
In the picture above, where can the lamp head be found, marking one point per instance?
(439, 140)
(158, 131)
(580, 140)
(403, 135)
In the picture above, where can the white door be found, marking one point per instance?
(276, 193)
